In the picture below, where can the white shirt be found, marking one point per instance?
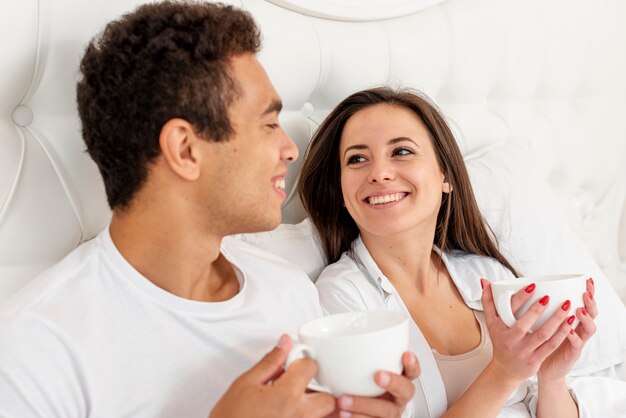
(355, 283)
(91, 337)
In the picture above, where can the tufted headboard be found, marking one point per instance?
(535, 91)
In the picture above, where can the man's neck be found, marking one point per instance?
(177, 256)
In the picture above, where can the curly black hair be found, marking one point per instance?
(162, 61)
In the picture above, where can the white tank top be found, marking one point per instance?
(458, 372)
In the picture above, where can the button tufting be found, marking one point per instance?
(307, 109)
(23, 116)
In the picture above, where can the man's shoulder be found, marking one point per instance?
(56, 281)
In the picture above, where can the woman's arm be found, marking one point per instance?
(486, 396)
(517, 355)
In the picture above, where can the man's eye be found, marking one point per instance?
(355, 159)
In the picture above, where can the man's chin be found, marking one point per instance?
(261, 225)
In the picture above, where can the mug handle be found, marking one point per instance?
(298, 352)
(503, 306)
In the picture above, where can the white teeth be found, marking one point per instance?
(379, 200)
(279, 184)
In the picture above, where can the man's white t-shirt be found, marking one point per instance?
(91, 337)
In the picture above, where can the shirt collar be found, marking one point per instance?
(369, 267)
(470, 290)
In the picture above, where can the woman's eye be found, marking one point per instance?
(272, 125)
(402, 151)
(355, 159)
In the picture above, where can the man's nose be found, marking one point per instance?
(289, 151)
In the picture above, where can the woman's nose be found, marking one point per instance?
(380, 172)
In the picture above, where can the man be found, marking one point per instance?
(158, 314)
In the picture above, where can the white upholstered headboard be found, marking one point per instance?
(547, 74)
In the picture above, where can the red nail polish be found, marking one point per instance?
(591, 280)
(566, 305)
(584, 311)
(482, 285)
(544, 300)
(570, 320)
(590, 295)
(571, 331)
(530, 288)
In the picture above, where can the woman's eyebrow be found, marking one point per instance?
(351, 147)
(392, 141)
(402, 139)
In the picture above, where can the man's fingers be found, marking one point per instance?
(358, 406)
(271, 365)
(411, 365)
(298, 375)
(399, 387)
(320, 404)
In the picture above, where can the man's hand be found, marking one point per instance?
(266, 390)
(399, 393)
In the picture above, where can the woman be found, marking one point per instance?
(385, 184)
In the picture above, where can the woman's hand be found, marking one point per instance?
(561, 361)
(518, 354)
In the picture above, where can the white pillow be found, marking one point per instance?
(519, 206)
(297, 243)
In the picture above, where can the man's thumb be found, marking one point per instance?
(271, 365)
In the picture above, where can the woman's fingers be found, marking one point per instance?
(549, 328)
(589, 299)
(556, 339)
(521, 297)
(494, 323)
(586, 327)
(575, 340)
(526, 321)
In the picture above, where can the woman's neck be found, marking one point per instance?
(407, 259)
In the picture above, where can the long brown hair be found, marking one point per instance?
(460, 225)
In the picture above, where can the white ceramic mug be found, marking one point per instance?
(559, 287)
(350, 347)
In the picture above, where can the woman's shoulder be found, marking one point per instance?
(467, 269)
(474, 264)
(343, 287)
(345, 268)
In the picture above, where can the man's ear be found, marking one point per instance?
(179, 147)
